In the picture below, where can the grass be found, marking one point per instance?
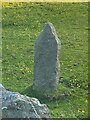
(22, 23)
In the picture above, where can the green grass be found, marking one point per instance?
(21, 26)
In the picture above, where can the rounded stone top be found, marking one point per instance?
(48, 33)
(50, 28)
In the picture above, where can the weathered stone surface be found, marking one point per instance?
(15, 105)
(46, 68)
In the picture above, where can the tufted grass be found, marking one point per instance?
(21, 25)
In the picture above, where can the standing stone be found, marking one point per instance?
(46, 61)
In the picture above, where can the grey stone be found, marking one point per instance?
(15, 105)
(46, 60)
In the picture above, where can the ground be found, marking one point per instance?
(21, 25)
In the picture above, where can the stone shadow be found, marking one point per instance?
(46, 98)
(43, 98)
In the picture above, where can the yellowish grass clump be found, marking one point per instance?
(11, 5)
(45, 0)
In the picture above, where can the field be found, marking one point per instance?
(21, 25)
